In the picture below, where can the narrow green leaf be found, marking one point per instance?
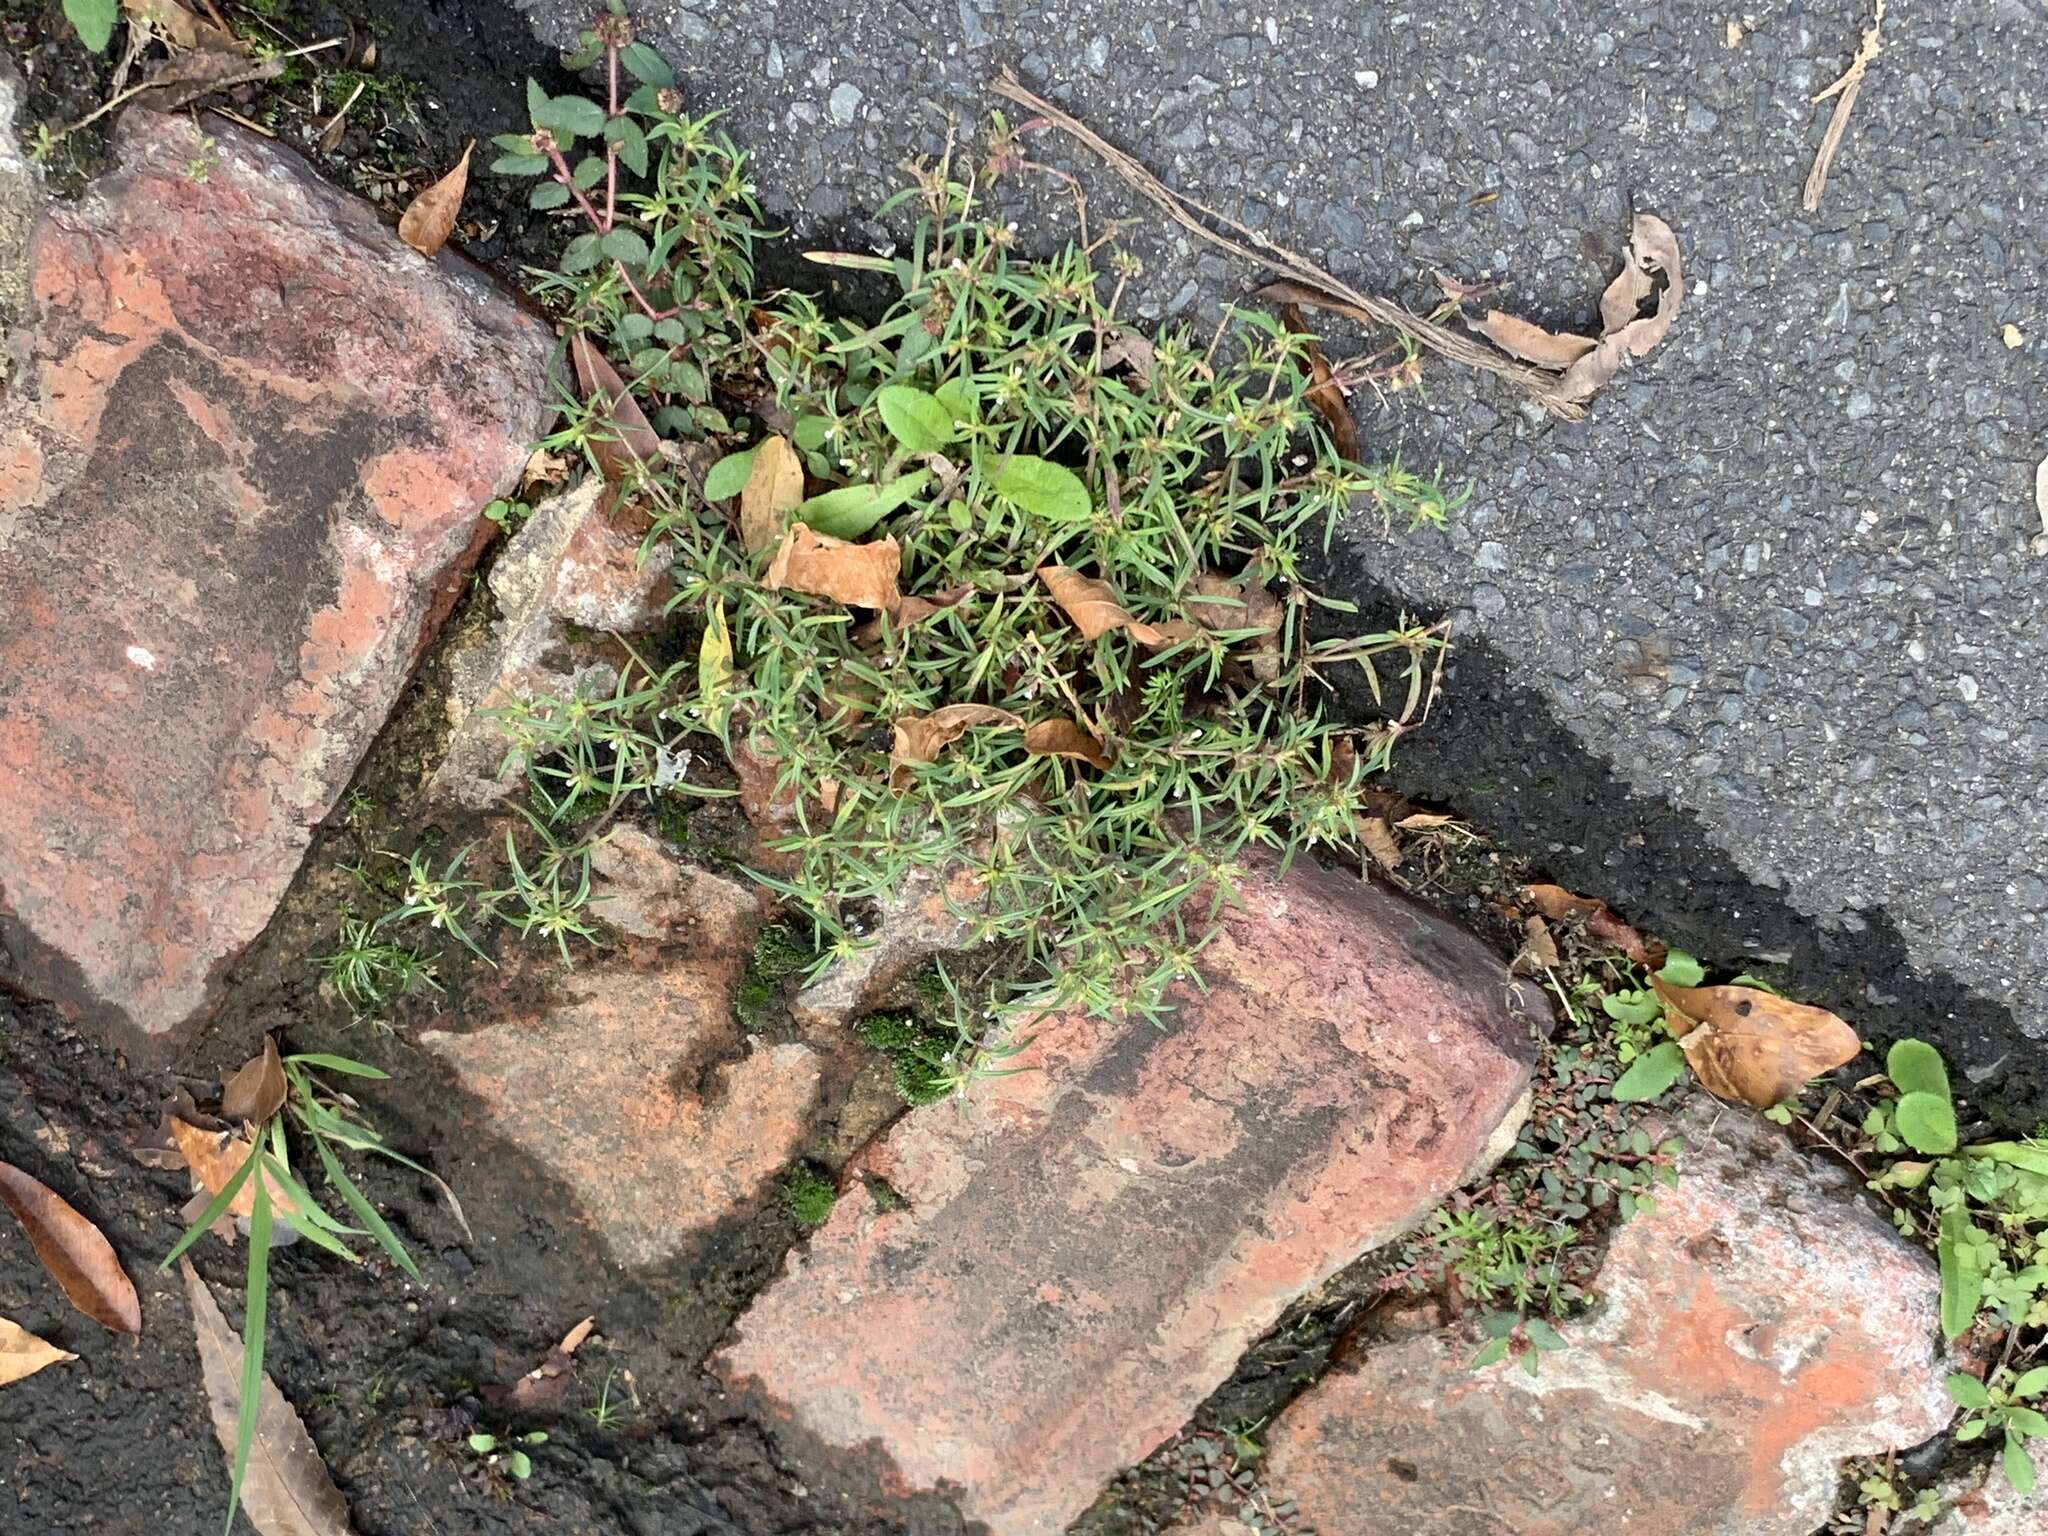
(1043, 488)
(2030, 1155)
(2019, 1466)
(341, 1064)
(366, 1213)
(917, 420)
(255, 1305)
(1914, 1066)
(1962, 1282)
(1495, 1350)
(1651, 1073)
(215, 1208)
(852, 510)
(309, 1220)
(728, 477)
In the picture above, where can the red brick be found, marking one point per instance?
(1088, 1248)
(1760, 1327)
(627, 1077)
(239, 488)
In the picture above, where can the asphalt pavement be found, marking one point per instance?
(1758, 648)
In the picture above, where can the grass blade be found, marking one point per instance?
(366, 1213)
(212, 1213)
(255, 1304)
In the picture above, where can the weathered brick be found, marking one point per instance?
(1087, 1249)
(1761, 1326)
(239, 486)
(627, 1078)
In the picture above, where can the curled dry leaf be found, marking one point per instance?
(1539, 949)
(1061, 737)
(1094, 608)
(23, 1354)
(921, 738)
(1751, 1046)
(1560, 905)
(1128, 349)
(1380, 842)
(630, 441)
(1323, 391)
(547, 1383)
(180, 28)
(287, 1490)
(774, 487)
(256, 1091)
(215, 1157)
(858, 575)
(1583, 364)
(1221, 603)
(74, 1251)
(430, 220)
(912, 611)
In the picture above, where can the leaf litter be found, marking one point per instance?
(430, 218)
(22, 1354)
(1751, 1046)
(286, 1489)
(1845, 90)
(858, 575)
(74, 1251)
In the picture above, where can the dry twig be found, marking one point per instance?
(1845, 91)
(1329, 292)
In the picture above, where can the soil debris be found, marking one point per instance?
(1845, 90)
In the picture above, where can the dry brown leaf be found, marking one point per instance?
(74, 1251)
(1511, 333)
(1380, 842)
(858, 575)
(1539, 949)
(921, 738)
(256, 1091)
(912, 611)
(773, 489)
(1094, 608)
(23, 1354)
(430, 220)
(1560, 905)
(216, 1156)
(1221, 603)
(543, 471)
(631, 440)
(1129, 349)
(287, 1490)
(179, 27)
(1323, 393)
(1751, 1046)
(1586, 365)
(1424, 821)
(1845, 89)
(1060, 737)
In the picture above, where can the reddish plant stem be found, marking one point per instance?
(603, 223)
(611, 150)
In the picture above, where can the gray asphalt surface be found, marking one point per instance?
(1781, 580)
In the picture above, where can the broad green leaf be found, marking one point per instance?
(1495, 1350)
(852, 510)
(519, 165)
(2019, 1466)
(341, 1064)
(632, 143)
(2028, 1421)
(1970, 1430)
(578, 116)
(1542, 1335)
(645, 65)
(1926, 1122)
(549, 194)
(809, 432)
(1962, 1281)
(958, 397)
(1914, 1066)
(581, 254)
(1968, 1391)
(1639, 1007)
(589, 172)
(537, 103)
(625, 245)
(1651, 1073)
(917, 420)
(728, 477)
(1681, 970)
(1043, 488)
(2031, 1383)
(2030, 1155)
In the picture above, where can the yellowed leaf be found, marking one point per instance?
(430, 220)
(1095, 609)
(921, 738)
(23, 1354)
(1751, 1046)
(1061, 737)
(774, 488)
(215, 1157)
(714, 657)
(858, 575)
